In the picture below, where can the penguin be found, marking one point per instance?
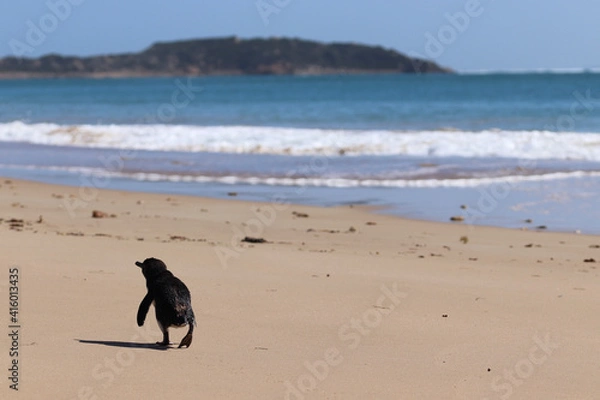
(171, 298)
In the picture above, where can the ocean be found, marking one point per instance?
(511, 150)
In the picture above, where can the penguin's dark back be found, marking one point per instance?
(170, 289)
(172, 296)
(169, 285)
(172, 299)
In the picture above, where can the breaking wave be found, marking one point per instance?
(531, 145)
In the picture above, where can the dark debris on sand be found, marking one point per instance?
(249, 239)
(299, 214)
(102, 214)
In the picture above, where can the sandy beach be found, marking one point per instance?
(338, 303)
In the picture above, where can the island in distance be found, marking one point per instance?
(224, 56)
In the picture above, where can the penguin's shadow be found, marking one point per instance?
(130, 345)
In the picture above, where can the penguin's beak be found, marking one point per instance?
(139, 264)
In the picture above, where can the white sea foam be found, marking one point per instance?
(366, 183)
(532, 145)
(311, 181)
(574, 71)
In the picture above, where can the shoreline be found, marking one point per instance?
(339, 302)
(479, 206)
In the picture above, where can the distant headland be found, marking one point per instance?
(224, 56)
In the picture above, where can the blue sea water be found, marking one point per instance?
(510, 147)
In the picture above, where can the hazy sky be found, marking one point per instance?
(462, 34)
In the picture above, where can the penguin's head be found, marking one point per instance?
(151, 267)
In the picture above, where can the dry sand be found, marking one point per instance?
(338, 304)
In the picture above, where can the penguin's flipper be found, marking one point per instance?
(143, 309)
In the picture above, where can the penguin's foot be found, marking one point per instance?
(186, 341)
(163, 343)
